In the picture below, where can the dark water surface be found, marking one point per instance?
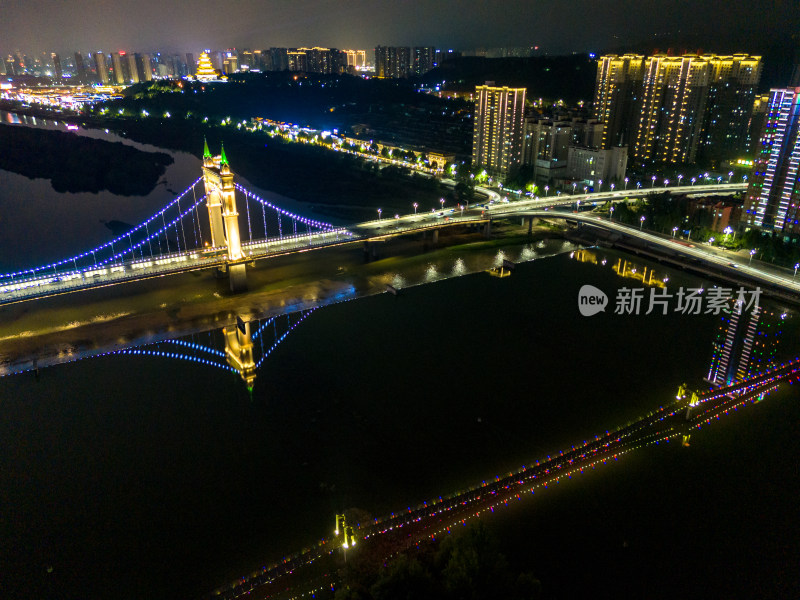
(152, 477)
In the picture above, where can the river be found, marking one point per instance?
(150, 476)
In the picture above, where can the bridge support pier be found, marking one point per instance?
(530, 225)
(435, 237)
(237, 277)
(370, 250)
(487, 229)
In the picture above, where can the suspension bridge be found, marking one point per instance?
(204, 228)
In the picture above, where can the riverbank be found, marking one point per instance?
(79, 164)
(308, 173)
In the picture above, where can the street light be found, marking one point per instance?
(719, 179)
(573, 188)
(744, 178)
(600, 186)
(638, 184)
(753, 251)
(727, 231)
(415, 207)
(611, 210)
(674, 230)
(612, 187)
(693, 180)
(546, 190)
(797, 266)
(641, 222)
(379, 214)
(666, 183)
(730, 174)
(679, 179)
(711, 240)
(626, 183)
(653, 178)
(441, 200)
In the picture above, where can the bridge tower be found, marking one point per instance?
(222, 214)
(213, 186)
(239, 350)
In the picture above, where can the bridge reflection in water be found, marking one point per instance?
(241, 348)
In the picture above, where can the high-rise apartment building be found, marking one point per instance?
(116, 65)
(424, 60)
(280, 59)
(132, 70)
(80, 69)
(498, 127)
(616, 97)
(144, 67)
(357, 59)
(392, 62)
(772, 201)
(101, 66)
(674, 94)
(731, 93)
(191, 66)
(297, 59)
(677, 108)
(58, 73)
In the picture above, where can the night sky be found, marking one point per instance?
(556, 26)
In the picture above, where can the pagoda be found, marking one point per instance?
(205, 70)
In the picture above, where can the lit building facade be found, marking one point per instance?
(101, 67)
(616, 96)
(733, 81)
(357, 59)
(498, 128)
(772, 201)
(424, 60)
(392, 62)
(674, 94)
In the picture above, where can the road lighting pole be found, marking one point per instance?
(415, 207)
(573, 188)
(611, 217)
(441, 201)
(626, 183)
(379, 214)
(679, 179)
(641, 222)
(612, 187)
(797, 266)
(653, 179)
(666, 183)
(674, 230)
(546, 190)
(752, 252)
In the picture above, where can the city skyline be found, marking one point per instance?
(465, 25)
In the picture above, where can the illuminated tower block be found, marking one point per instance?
(772, 201)
(497, 130)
